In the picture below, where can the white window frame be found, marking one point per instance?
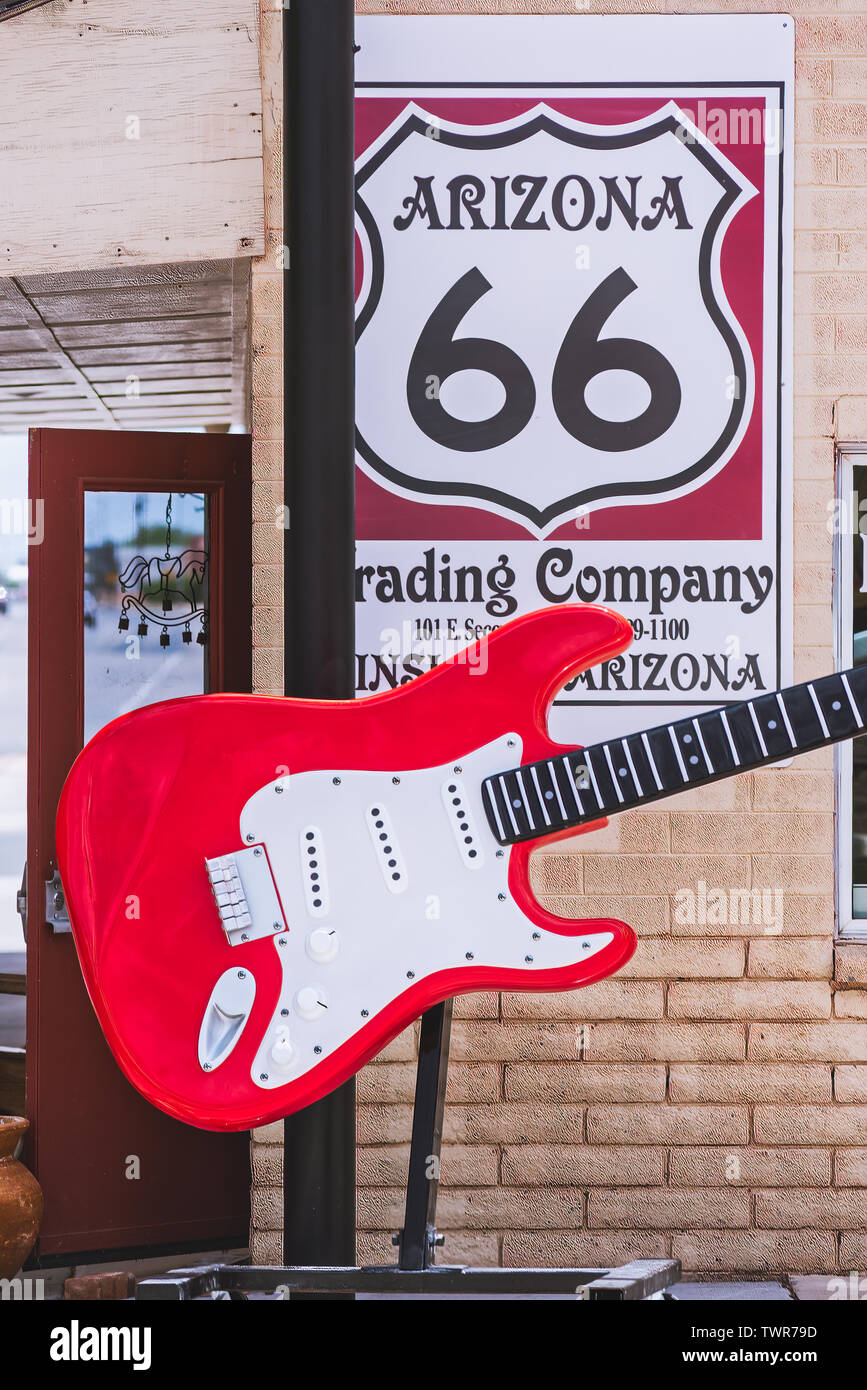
(848, 457)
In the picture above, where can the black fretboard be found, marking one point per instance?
(545, 797)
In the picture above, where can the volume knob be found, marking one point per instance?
(309, 1002)
(323, 945)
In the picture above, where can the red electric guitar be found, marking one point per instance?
(264, 892)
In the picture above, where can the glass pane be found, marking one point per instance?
(859, 745)
(145, 601)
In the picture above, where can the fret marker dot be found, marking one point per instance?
(549, 796)
(772, 723)
(622, 771)
(687, 738)
(693, 759)
(516, 803)
(835, 704)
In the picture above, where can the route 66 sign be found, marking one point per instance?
(574, 347)
(553, 252)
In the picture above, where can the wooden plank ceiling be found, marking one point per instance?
(155, 347)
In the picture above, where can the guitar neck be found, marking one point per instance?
(559, 793)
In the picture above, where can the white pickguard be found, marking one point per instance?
(431, 896)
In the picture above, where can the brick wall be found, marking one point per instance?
(711, 1101)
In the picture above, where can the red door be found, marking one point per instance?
(140, 590)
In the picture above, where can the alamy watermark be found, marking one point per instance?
(723, 907)
(23, 516)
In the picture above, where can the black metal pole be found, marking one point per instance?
(319, 332)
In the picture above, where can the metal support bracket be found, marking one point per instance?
(56, 914)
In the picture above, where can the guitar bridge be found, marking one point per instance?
(245, 895)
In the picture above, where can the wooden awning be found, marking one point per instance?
(153, 347)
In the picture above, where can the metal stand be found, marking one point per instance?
(418, 1239)
(416, 1271)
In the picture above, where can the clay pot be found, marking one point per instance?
(20, 1200)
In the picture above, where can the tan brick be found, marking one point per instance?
(269, 1134)
(645, 831)
(655, 1207)
(395, 1081)
(750, 1167)
(582, 1081)
(510, 1208)
(463, 1165)
(851, 416)
(556, 873)
(853, 1254)
(850, 1169)
(473, 1081)
(812, 1042)
(380, 1208)
(812, 587)
(749, 1082)
(525, 1042)
(830, 33)
(724, 833)
(798, 1124)
(849, 76)
(667, 1124)
(755, 1252)
(730, 794)
(383, 1124)
(812, 1209)
(485, 1005)
(384, 1166)
(583, 1165)
(811, 626)
(749, 999)
(266, 1164)
(661, 958)
(266, 1208)
(508, 1123)
(850, 963)
(607, 999)
(851, 164)
(268, 585)
(663, 873)
(775, 958)
(850, 1083)
(813, 76)
(793, 790)
(266, 1247)
(796, 873)
(665, 1042)
(580, 1249)
(850, 1003)
(400, 1049)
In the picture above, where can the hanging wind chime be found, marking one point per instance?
(166, 590)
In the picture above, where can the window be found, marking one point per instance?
(850, 539)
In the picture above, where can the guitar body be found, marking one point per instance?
(264, 892)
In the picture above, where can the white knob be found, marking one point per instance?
(322, 945)
(282, 1051)
(310, 1002)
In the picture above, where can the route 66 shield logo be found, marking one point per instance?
(542, 326)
